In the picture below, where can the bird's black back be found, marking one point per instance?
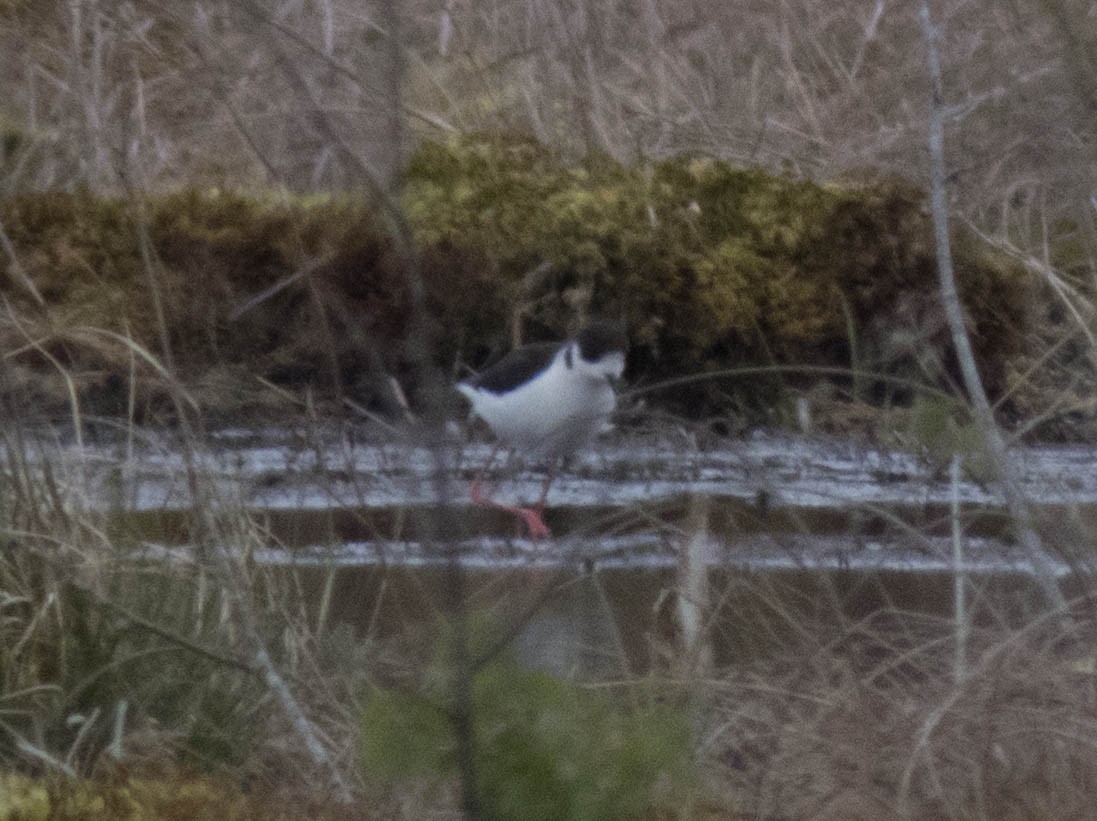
(518, 366)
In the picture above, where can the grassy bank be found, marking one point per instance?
(253, 302)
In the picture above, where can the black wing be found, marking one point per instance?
(518, 366)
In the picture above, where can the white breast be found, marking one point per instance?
(549, 416)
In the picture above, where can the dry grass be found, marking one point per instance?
(149, 93)
(103, 660)
(828, 709)
(129, 668)
(870, 722)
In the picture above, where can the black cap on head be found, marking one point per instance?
(600, 337)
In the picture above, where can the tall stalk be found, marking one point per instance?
(1005, 473)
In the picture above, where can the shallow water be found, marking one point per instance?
(616, 622)
(774, 502)
(823, 530)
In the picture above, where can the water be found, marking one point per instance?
(797, 531)
(775, 501)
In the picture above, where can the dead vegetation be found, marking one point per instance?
(866, 712)
(152, 275)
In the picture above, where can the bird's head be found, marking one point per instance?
(598, 351)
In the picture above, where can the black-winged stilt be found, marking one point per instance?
(545, 401)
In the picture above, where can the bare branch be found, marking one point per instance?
(950, 300)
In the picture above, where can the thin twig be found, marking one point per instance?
(16, 267)
(959, 578)
(950, 299)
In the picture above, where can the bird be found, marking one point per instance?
(545, 401)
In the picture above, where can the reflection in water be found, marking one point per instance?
(620, 623)
(804, 534)
(572, 636)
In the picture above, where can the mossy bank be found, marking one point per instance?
(712, 268)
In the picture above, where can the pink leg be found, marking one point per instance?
(531, 517)
(536, 524)
(478, 497)
(545, 486)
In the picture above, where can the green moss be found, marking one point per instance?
(711, 266)
(22, 798)
(708, 263)
(209, 253)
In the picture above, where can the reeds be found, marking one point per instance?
(111, 658)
